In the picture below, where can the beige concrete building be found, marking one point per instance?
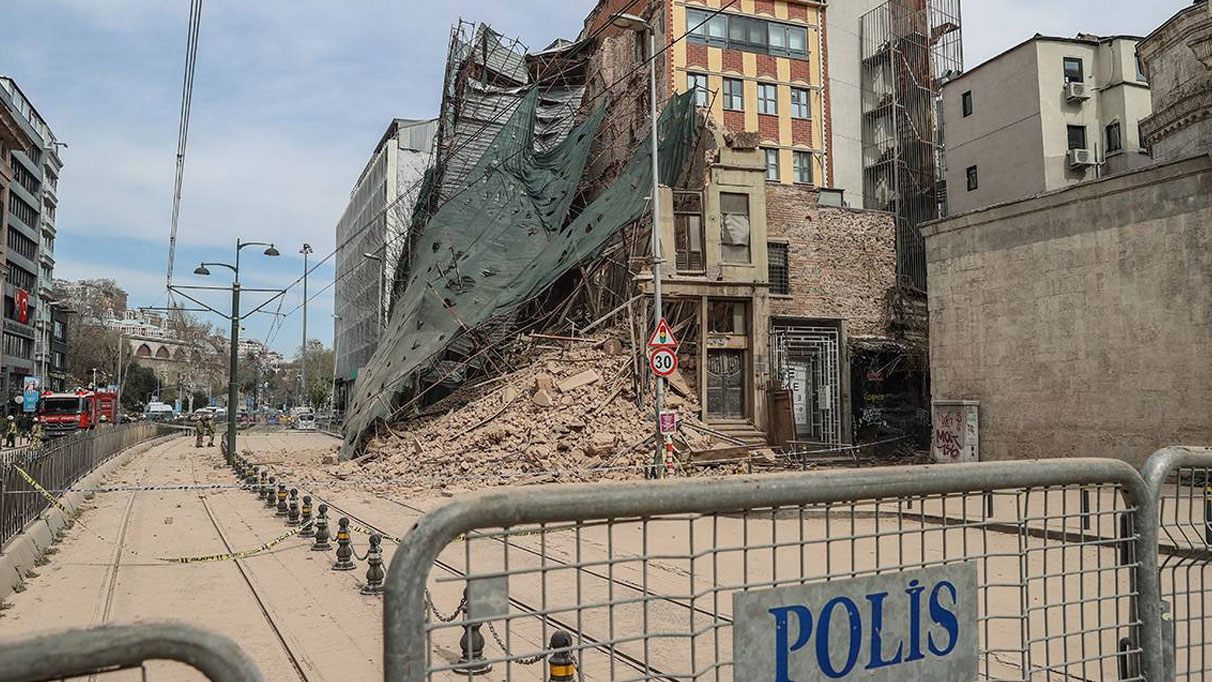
(1046, 114)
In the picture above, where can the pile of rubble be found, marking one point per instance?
(568, 413)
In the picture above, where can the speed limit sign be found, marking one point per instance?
(663, 361)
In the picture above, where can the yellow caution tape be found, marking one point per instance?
(49, 498)
(235, 555)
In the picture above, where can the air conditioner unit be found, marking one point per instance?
(1081, 157)
(1076, 91)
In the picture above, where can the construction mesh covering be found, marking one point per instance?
(501, 239)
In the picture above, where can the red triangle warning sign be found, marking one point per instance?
(662, 337)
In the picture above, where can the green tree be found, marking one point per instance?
(137, 384)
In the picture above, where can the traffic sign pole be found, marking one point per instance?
(664, 346)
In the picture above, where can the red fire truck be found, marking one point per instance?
(64, 413)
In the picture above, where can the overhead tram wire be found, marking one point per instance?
(407, 192)
(469, 183)
(187, 95)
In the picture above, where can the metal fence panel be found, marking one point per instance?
(642, 574)
(58, 464)
(1180, 480)
(116, 647)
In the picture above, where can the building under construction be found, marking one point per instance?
(909, 49)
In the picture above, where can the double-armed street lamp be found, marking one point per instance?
(233, 361)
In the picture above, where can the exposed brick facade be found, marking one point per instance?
(734, 121)
(801, 131)
(768, 128)
(827, 107)
(842, 262)
(797, 12)
(764, 7)
(767, 66)
(696, 55)
(734, 61)
(801, 71)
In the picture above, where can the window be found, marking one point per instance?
(768, 99)
(972, 183)
(734, 94)
(22, 211)
(727, 317)
(772, 164)
(1114, 140)
(1140, 70)
(697, 82)
(776, 255)
(966, 103)
(20, 277)
(688, 231)
(58, 361)
(1077, 137)
(59, 330)
(748, 34)
(18, 346)
(1074, 70)
(22, 245)
(799, 104)
(801, 166)
(734, 228)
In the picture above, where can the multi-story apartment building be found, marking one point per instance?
(1048, 113)
(29, 234)
(371, 236)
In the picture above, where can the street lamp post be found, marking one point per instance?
(634, 23)
(336, 337)
(379, 290)
(303, 352)
(233, 360)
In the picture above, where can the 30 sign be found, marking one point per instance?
(663, 361)
(912, 625)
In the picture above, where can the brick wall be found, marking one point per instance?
(1080, 318)
(842, 261)
(801, 131)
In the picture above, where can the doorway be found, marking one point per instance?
(726, 384)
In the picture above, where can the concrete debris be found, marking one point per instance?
(576, 381)
(574, 420)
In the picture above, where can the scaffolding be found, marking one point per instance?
(909, 49)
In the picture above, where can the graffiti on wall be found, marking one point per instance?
(955, 432)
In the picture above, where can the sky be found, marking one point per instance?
(289, 99)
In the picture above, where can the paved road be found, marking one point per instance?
(290, 602)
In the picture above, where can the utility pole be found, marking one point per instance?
(303, 353)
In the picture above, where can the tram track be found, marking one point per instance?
(636, 663)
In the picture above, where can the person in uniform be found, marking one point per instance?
(210, 430)
(198, 429)
(10, 432)
(35, 434)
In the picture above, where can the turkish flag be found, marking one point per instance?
(23, 306)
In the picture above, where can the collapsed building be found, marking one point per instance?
(532, 231)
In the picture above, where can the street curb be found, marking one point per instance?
(17, 557)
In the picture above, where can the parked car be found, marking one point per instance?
(305, 421)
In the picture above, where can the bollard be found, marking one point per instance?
(250, 475)
(270, 498)
(471, 661)
(309, 528)
(989, 505)
(259, 488)
(374, 566)
(321, 543)
(1085, 509)
(281, 500)
(561, 666)
(344, 550)
(292, 513)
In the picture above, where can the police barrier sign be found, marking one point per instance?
(911, 625)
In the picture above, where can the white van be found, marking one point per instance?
(160, 412)
(305, 422)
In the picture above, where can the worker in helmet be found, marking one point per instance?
(199, 429)
(210, 430)
(35, 434)
(10, 432)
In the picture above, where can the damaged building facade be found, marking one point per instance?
(534, 217)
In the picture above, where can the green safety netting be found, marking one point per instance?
(504, 237)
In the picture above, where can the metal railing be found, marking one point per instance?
(643, 576)
(109, 648)
(57, 464)
(1180, 480)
